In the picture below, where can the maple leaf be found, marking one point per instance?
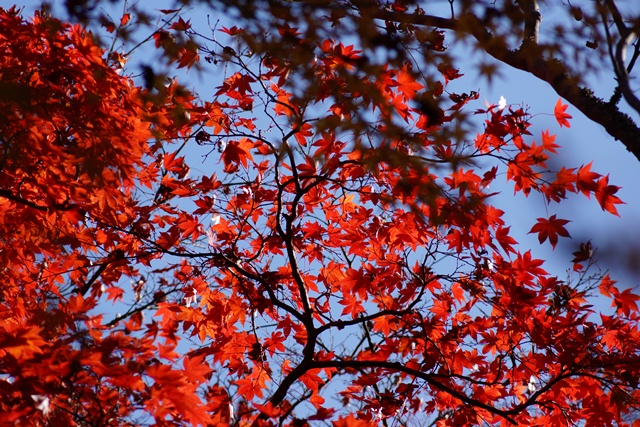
(269, 409)
(164, 39)
(505, 240)
(237, 86)
(181, 25)
(253, 384)
(231, 31)
(21, 342)
(548, 142)
(449, 73)
(237, 152)
(561, 116)
(625, 302)
(583, 253)
(407, 84)
(191, 227)
(550, 229)
(605, 195)
(188, 55)
(400, 107)
(322, 414)
(586, 179)
(352, 305)
(283, 104)
(125, 19)
(275, 343)
(312, 380)
(109, 26)
(114, 293)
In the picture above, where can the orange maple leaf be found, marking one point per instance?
(407, 84)
(560, 114)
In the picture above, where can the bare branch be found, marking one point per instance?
(618, 57)
(532, 19)
(617, 16)
(621, 70)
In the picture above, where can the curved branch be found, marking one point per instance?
(303, 367)
(621, 70)
(287, 237)
(366, 318)
(617, 16)
(221, 259)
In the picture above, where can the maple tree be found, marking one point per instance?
(337, 260)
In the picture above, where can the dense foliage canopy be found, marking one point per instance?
(337, 259)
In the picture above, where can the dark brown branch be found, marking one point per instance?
(369, 317)
(115, 256)
(507, 414)
(617, 16)
(305, 365)
(89, 283)
(10, 196)
(234, 265)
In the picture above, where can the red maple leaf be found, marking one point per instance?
(560, 114)
(550, 229)
(237, 152)
(449, 73)
(605, 195)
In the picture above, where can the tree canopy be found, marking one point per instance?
(581, 49)
(337, 257)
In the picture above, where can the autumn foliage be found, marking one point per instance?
(335, 259)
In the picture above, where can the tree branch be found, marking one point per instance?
(398, 367)
(621, 70)
(553, 71)
(532, 19)
(618, 57)
(10, 196)
(18, 199)
(283, 388)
